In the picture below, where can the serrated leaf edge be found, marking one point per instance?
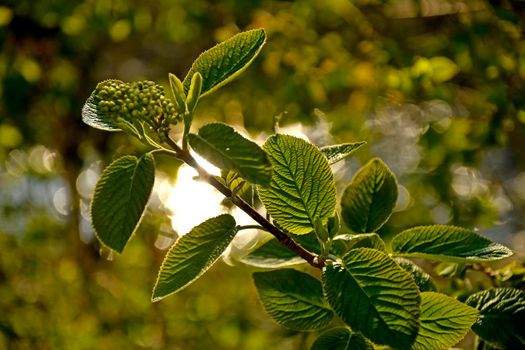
(234, 75)
(158, 298)
(95, 194)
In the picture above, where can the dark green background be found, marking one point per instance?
(435, 87)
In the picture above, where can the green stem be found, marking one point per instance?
(311, 258)
(188, 118)
(251, 227)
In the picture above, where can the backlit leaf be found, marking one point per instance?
(447, 243)
(293, 299)
(225, 148)
(374, 296)
(368, 201)
(335, 153)
(302, 188)
(273, 254)
(444, 321)
(193, 254)
(501, 318)
(120, 197)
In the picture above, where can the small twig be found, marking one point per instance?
(312, 259)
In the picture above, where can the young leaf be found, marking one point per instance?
(177, 91)
(194, 93)
(293, 299)
(341, 244)
(273, 254)
(368, 201)
(225, 148)
(374, 296)
(341, 339)
(193, 254)
(224, 62)
(502, 317)
(447, 243)
(444, 321)
(302, 188)
(120, 197)
(335, 153)
(422, 279)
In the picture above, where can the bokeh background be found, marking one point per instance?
(435, 87)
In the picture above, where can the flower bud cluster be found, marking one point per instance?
(136, 101)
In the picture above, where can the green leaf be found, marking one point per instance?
(177, 91)
(238, 186)
(225, 61)
(293, 299)
(341, 339)
(447, 243)
(302, 188)
(422, 279)
(194, 93)
(225, 148)
(368, 201)
(335, 153)
(374, 296)
(193, 254)
(341, 244)
(444, 321)
(273, 254)
(120, 197)
(502, 317)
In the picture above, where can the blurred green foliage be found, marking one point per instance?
(435, 87)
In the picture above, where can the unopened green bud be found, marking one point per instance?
(194, 92)
(177, 89)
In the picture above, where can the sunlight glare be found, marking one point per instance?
(191, 201)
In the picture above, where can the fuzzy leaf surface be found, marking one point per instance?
(447, 243)
(302, 187)
(293, 299)
(335, 153)
(193, 254)
(374, 296)
(341, 339)
(369, 199)
(120, 197)
(444, 321)
(225, 148)
(225, 61)
(501, 309)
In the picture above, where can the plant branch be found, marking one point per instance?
(184, 155)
